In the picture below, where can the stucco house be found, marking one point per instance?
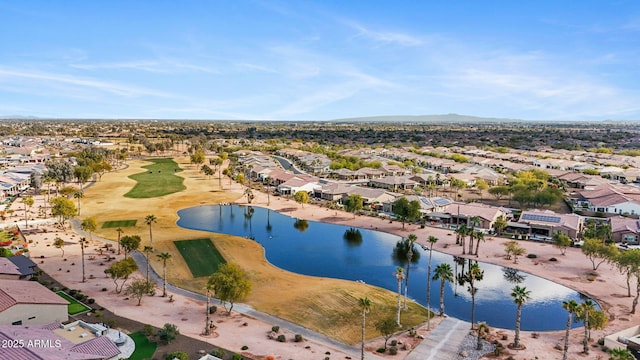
(28, 302)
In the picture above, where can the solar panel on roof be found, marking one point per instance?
(544, 218)
(441, 201)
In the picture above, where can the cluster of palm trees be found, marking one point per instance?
(463, 231)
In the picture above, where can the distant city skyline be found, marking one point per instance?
(320, 60)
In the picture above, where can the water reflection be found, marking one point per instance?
(319, 249)
(352, 237)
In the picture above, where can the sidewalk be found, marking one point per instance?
(443, 342)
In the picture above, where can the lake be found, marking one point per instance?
(320, 249)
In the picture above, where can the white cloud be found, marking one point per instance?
(385, 37)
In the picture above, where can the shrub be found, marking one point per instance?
(298, 338)
(91, 301)
(217, 352)
(393, 350)
(147, 329)
(553, 259)
(103, 289)
(180, 355)
(236, 357)
(393, 342)
(281, 338)
(213, 309)
(275, 328)
(327, 353)
(532, 256)
(381, 350)
(244, 347)
(73, 292)
(55, 289)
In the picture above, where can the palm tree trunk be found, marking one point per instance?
(441, 297)
(516, 339)
(164, 278)
(362, 343)
(429, 292)
(470, 245)
(399, 297)
(585, 341)
(566, 338)
(206, 325)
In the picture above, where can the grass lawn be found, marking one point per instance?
(201, 256)
(75, 306)
(159, 180)
(144, 348)
(118, 223)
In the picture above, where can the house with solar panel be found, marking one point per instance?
(542, 224)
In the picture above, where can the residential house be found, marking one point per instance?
(462, 213)
(28, 302)
(542, 224)
(9, 270)
(611, 199)
(393, 183)
(25, 265)
(625, 230)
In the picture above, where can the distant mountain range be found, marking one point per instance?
(446, 118)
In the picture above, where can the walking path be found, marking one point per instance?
(443, 342)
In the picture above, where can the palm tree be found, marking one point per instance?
(365, 306)
(207, 326)
(473, 274)
(463, 230)
(479, 235)
(119, 231)
(411, 239)
(520, 295)
(82, 242)
(432, 241)
(582, 312)
(399, 274)
(571, 306)
(444, 273)
(147, 249)
(78, 195)
(28, 203)
(164, 257)
(150, 219)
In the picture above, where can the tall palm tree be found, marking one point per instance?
(150, 219)
(583, 312)
(399, 274)
(473, 275)
(365, 306)
(83, 240)
(78, 195)
(432, 241)
(411, 239)
(147, 249)
(164, 257)
(520, 295)
(571, 306)
(444, 273)
(119, 231)
(479, 235)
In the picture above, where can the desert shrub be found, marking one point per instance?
(244, 347)
(275, 328)
(217, 352)
(298, 338)
(55, 289)
(281, 338)
(91, 300)
(147, 330)
(393, 350)
(381, 350)
(236, 357)
(103, 289)
(393, 342)
(180, 355)
(213, 309)
(327, 353)
(532, 256)
(553, 259)
(73, 292)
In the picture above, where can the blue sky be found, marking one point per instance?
(320, 60)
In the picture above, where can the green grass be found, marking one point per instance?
(144, 348)
(159, 180)
(201, 256)
(119, 223)
(75, 307)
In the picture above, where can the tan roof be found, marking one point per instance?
(7, 267)
(14, 292)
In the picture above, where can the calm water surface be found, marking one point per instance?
(319, 249)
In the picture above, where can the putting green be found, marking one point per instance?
(159, 180)
(119, 224)
(201, 256)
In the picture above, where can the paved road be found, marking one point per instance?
(443, 342)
